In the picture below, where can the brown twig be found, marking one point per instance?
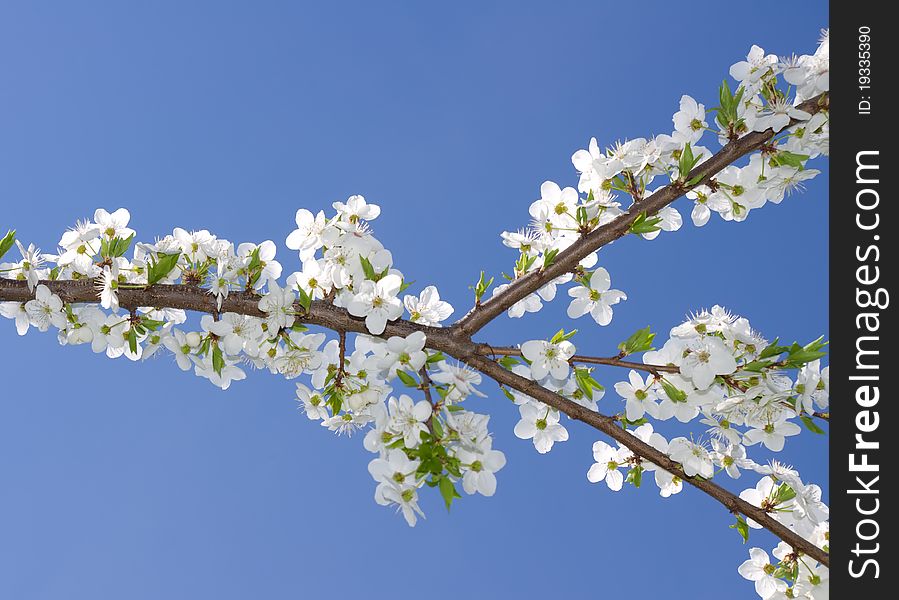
(567, 260)
(612, 361)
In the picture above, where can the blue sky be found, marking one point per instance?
(140, 482)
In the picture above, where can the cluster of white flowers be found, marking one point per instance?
(798, 506)
(547, 363)
(714, 367)
(629, 170)
(342, 262)
(718, 370)
(733, 377)
(791, 576)
(437, 444)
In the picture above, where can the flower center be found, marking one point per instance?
(540, 424)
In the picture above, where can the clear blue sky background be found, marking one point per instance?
(140, 482)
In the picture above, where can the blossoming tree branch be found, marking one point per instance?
(392, 368)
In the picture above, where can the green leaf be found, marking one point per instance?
(773, 349)
(675, 394)
(161, 267)
(448, 491)
(756, 366)
(801, 355)
(481, 287)
(524, 263)
(725, 97)
(406, 378)
(550, 257)
(508, 362)
(643, 224)
(582, 384)
(635, 475)
(625, 421)
(116, 247)
(218, 360)
(7, 242)
(254, 268)
(304, 299)
(335, 402)
(368, 269)
(151, 324)
(810, 424)
(686, 161)
(640, 341)
(742, 528)
(561, 336)
(581, 216)
(693, 181)
(506, 393)
(585, 382)
(132, 340)
(727, 105)
(784, 493)
(404, 285)
(789, 159)
(435, 358)
(437, 427)
(685, 164)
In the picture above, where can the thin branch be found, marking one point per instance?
(612, 361)
(426, 385)
(341, 367)
(568, 260)
(187, 297)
